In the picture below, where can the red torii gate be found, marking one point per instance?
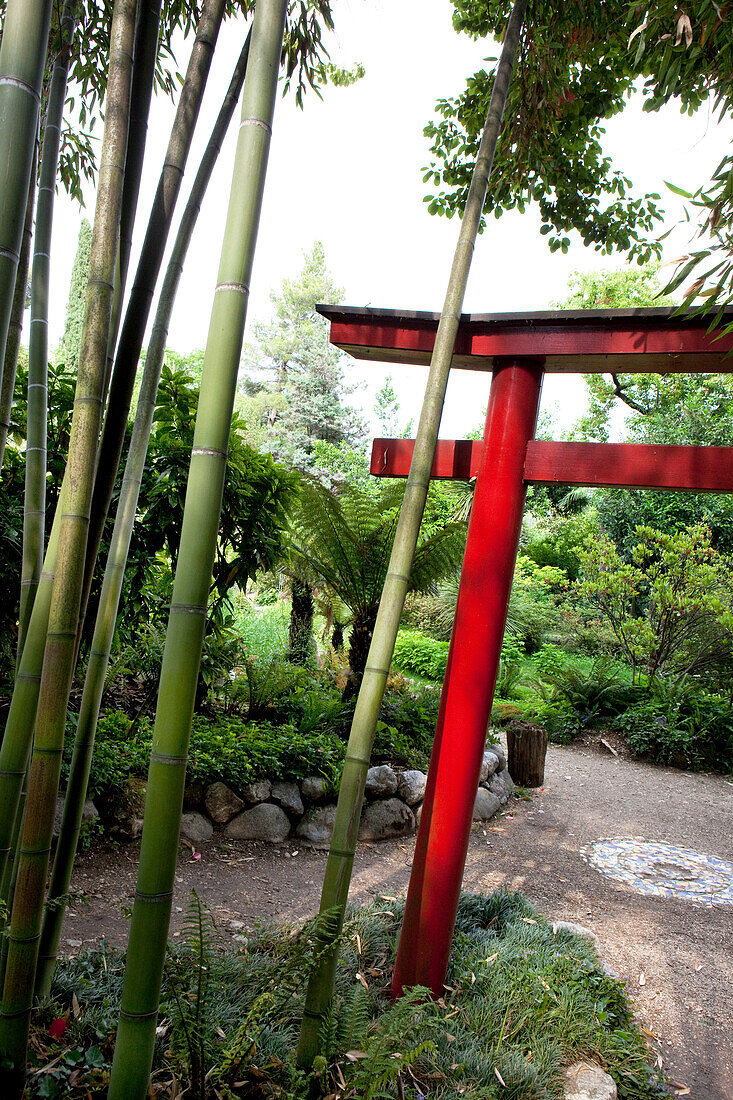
(518, 349)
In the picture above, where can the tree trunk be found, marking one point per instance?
(526, 750)
(182, 656)
(360, 639)
(346, 826)
(300, 642)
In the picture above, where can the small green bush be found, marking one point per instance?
(684, 727)
(421, 654)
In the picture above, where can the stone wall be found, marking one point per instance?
(305, 809)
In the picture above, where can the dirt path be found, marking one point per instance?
(683, 948)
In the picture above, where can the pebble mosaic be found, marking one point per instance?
(664, 870)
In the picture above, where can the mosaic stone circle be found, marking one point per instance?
(665, 870)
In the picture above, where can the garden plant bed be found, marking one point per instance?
(682, 948)
(525, 999)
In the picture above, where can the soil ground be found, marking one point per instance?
(683, 949)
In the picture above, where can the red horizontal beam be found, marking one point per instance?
(631, 466)
(612, 465)
(454, 458)
(644, 341)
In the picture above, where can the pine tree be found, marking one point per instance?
(387, 412)
(308, 389)
(68, 352)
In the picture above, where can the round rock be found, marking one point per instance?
(577, 930)
(499, 754)
(382, 820)
(485, 806)
(262, 822)
(317, 825)
(288, 795)
(221, 803)
(259, 791)
(196, 828)
(314, 788)
(412, 786)
(381, 782)
(489, 766)
(587, 1081)
(501, 785)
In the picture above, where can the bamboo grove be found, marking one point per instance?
(47, 48)
(41, 50)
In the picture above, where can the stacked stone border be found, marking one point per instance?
(273, 810)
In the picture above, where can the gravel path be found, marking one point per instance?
(683, 949)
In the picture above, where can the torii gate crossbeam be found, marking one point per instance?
(519, 350)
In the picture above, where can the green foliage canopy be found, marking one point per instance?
(577, 66)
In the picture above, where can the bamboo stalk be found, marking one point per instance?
(145, 53)
(181, 659)
(63, 614)
(34, 510)
(119, 547)
(15, 326)
(22, 59)
(132, 335)
(346, 826)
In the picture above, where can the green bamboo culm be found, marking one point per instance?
(17, 312)
(132, 334)
(16, 743)
(23, 48)
(346, 826)
(145, 53)
(34, 509)
(151, 913)
(60, 647)
(119, 547)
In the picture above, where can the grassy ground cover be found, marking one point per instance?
(522, 1002)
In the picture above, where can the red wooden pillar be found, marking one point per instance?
(468, 689)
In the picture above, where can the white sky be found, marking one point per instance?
(346, 171)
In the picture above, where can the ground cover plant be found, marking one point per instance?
(523, 1000)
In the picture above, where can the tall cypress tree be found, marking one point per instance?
(68, 352)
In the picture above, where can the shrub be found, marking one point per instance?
(227, 749)
(675, 724)
(421, 654)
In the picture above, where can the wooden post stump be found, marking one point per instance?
(526, 749)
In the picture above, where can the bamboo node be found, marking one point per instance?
(241, 288)
(256, 122)
(163, 758)
(209, 451)
(189, 608)
(16, 82)
(9, 254)
(154, 899)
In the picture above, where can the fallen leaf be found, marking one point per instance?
(362, 979)
(698, 968)
(57, 1027)
(500, 1079)
(642, 978)
(355, 1055)
(75, 1006)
